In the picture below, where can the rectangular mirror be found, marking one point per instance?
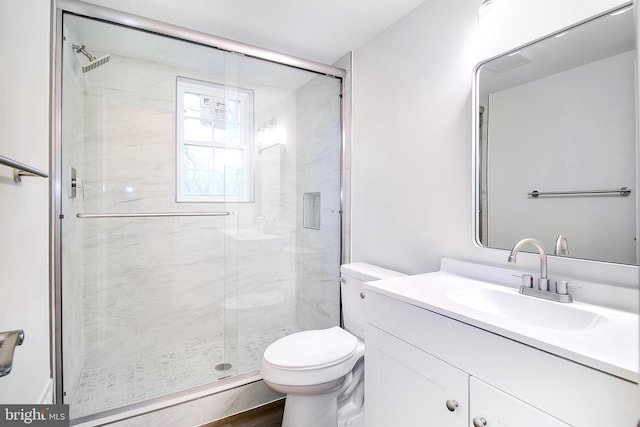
(556, 146)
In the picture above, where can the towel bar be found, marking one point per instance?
(8, 342)
(20, 169)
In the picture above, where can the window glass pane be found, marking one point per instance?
(234, 111)
(209, 171)
(197, 179)
(215, 139)
(229, 166)
(191, 105)
(198, 157)
(219, 113)
(198, 183)
(233, 123)
(220, 136)
(194, 130)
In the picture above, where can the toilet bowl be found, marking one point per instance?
(322, 371)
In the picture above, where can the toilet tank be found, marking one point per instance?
(352, 276)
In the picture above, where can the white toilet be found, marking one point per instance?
(322, 371)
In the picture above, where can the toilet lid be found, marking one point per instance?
(309, 349)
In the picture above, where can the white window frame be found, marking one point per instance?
(246, 143)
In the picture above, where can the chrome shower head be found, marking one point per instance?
(93, 61)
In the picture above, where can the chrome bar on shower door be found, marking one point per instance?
(624, 191)
(150, 214)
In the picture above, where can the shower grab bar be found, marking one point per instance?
(623, 192)
(150, 215)
(20, 169)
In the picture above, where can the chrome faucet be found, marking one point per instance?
(562, 245)
(543, 291)
(543, 281)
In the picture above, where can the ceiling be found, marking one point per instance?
(321, 31)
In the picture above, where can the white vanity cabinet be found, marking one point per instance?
(410, 387)
(418, 361)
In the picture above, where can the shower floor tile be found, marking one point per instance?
(110, 387)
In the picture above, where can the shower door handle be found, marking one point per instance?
(8, 342)
(151, 214)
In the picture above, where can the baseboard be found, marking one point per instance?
(266, 415)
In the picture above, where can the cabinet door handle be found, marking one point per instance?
(479, 422)
(452, 405)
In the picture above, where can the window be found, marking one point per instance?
(214, 142)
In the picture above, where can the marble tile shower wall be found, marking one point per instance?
(318, 170)
(153, 284)
(267, 259)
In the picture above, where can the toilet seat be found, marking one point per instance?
(312, 349)
(311, 357)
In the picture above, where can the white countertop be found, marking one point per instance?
(609, 345)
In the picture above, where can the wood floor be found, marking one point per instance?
(266, 416)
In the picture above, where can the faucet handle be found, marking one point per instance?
(562, 287)
(527, 280)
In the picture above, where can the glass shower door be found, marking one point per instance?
(289, 238)
(202, 213)
(148, 210)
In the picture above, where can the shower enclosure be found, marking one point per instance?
(198, 192)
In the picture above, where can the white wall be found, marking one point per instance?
(411, 139)
(412, 127)
(24, 208)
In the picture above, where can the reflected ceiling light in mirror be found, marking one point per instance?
(621, 11)
(486, 7)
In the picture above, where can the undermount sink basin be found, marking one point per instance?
(509, 304)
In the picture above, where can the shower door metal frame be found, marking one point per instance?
(117, 17)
